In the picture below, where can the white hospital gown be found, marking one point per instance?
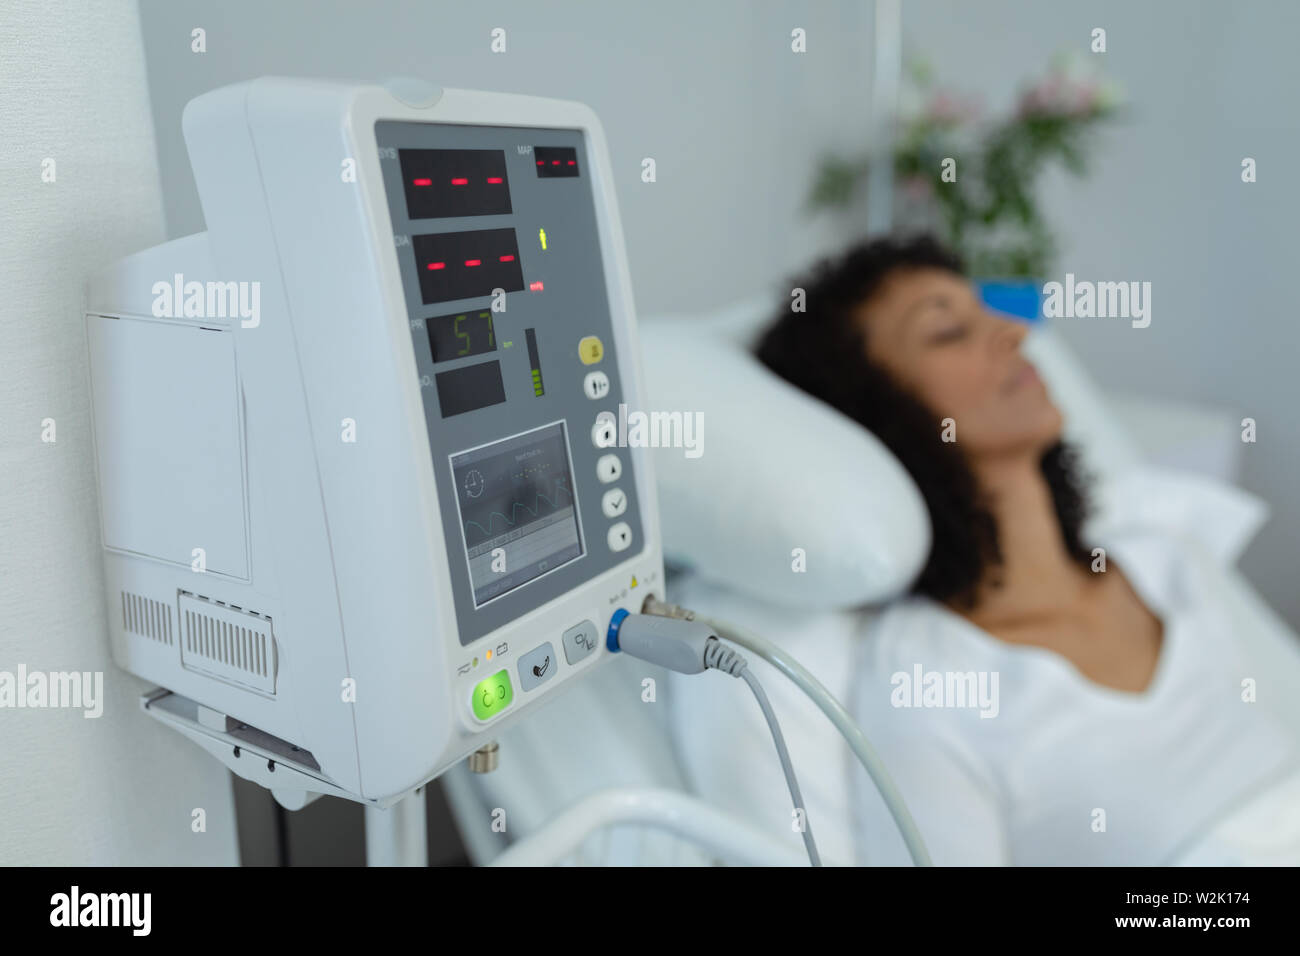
(1067, 773)
(1071, 772)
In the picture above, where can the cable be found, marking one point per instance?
(720, 657)
(828, 705)
(689, 647)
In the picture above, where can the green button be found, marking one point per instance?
(492, 695)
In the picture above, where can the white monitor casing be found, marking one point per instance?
(295, 585)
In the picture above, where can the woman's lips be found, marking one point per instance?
(1024, 374)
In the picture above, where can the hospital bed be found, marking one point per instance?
(607, 751)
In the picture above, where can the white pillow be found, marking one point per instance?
(1220, 517)
(781, 470)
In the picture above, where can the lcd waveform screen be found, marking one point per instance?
(516, 495)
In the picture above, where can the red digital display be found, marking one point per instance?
(465, 265)
(455, 182)
(554, 162)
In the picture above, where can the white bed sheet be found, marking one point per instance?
(602, 734)
(1265, 831)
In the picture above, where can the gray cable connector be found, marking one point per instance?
(677, 645)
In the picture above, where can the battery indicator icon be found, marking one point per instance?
(534, 362)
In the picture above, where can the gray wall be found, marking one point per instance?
(710, 90)
(737, 122)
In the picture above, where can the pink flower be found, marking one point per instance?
(945, 107)
(1085, 99)
(1059, 94)
(1042, 97)
(916, 188)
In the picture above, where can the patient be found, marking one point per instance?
(1121, 732)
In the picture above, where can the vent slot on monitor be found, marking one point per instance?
(145, 617)
(226, 642)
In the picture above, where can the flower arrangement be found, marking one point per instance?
(972, 181)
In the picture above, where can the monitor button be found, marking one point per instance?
(591, 350)
(613, 503)
(537, 666)
(579, 641)
(596, 385)
(492, 695)
(609, 468)
(604, 434)
(619, 537)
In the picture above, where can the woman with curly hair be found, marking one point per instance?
(1120, 732)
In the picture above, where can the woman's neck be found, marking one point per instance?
(1037, 574)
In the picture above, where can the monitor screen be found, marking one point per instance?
(518, 516)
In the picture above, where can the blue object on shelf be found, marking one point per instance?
(1018, 297)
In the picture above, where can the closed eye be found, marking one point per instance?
(952, 333)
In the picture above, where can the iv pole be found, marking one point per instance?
(887, 75)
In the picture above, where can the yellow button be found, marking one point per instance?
(590, 350)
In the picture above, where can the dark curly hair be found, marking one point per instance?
(822, 351)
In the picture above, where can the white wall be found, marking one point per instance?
(119, 789)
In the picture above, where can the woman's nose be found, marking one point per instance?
(1008, 333)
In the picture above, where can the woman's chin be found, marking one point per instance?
(1056, 423)
(1050, 435)
(1039, 436)
(1047, 426)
